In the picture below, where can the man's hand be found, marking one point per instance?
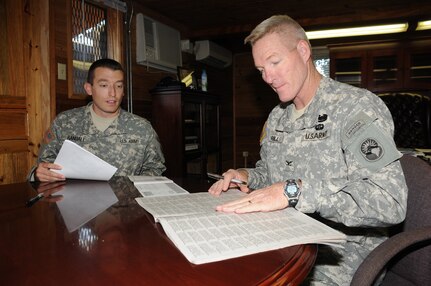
(226, 184)
(267, 199)
(48, 189)
(43, 172)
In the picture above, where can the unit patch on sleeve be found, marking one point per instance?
(371, 150)
(373, 147)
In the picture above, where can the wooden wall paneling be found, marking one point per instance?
(17, 46)
(12, 59)
(15, 172)
(61, 29)
(13, 124)
(116, 36)
(37, 23)
(253, 101)
(13, 139)
(4, 55)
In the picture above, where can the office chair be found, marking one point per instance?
(407, 255)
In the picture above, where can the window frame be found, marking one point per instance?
(115, 32)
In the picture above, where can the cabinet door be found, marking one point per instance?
(418, 68)
(192, 126)
(385, 69)
(349, 67)
(193, 138)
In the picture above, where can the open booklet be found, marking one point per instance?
(204, 235)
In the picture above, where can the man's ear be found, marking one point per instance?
(304, 50)
(88, 88)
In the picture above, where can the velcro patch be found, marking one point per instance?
(49, 136)
(355, 125)
(316, 135)
(373, 148)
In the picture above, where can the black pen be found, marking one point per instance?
(34, 200)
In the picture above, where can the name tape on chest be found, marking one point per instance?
(77, 138)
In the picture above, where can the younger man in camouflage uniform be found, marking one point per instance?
(124, 140)
(332, 143)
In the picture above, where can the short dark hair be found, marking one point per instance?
(104, 63)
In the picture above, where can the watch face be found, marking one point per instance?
(291, 190)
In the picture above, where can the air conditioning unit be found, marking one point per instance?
(212, 54)
(157, 45)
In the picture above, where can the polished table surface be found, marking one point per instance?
(95, 233)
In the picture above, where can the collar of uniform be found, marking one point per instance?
(88, 123)
(116, 122)
(307, 120)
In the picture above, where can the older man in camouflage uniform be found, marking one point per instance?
(122, 139)
(332, 142)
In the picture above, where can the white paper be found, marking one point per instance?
(78, 163)
(149, 179)
(196, 203)
(204, 235)
(159, 189)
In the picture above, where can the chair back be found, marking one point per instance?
(413, 265)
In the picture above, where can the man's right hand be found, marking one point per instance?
(43, 172)
(225, 184)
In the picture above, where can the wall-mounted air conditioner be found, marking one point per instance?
(157, 45)
(212, 54)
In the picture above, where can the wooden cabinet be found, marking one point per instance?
(386, 66)
(348, 67)
(188, 124)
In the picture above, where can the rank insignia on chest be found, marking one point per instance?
(318, 135)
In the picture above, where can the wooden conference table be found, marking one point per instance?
(97, 234)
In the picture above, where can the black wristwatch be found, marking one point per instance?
(292, 192)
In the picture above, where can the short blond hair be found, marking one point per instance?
(281, 24)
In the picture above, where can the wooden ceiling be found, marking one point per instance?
(218, 19)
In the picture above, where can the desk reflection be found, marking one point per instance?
(84, 200)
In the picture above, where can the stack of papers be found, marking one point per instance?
(151, 186)
(204, 235)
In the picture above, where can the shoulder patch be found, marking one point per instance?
(373, 148)
(49, 136)
(356, 124)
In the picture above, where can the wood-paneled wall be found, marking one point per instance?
(252, 103)
(145, 78)
(24, 84)
(33, 41)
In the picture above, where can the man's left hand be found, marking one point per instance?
(267, 199)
